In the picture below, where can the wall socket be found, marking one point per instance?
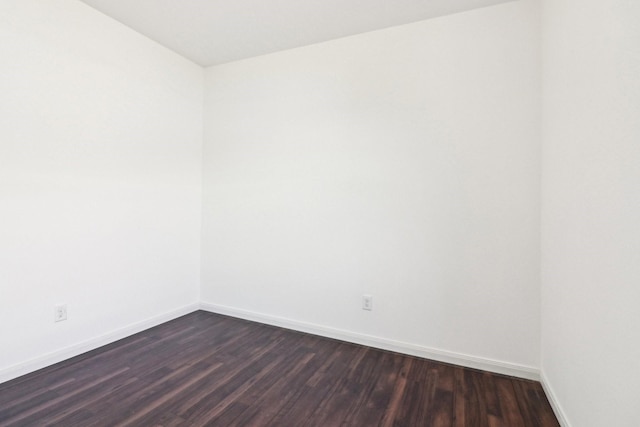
(60, 313)
(367, 302)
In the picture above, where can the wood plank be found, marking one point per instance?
(509, 407)
(207, 369)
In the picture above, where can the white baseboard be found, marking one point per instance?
(445, 356)
(553, 400)
(57, 356)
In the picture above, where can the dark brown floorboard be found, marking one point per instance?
(205, 369)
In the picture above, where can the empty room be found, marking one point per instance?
(320, 213)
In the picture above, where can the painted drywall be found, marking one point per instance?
(402, 163)
(591, 210)
(214, 32)
(100, 178)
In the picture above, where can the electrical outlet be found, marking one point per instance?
(367, 302)
(60, 313)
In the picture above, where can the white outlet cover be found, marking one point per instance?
(60, 313)
(367, 302)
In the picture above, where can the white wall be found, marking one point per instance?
(100, 178)
(591, 210)
(403, 163)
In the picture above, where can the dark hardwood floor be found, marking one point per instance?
(206, 369)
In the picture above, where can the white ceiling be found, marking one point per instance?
(211, 32)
